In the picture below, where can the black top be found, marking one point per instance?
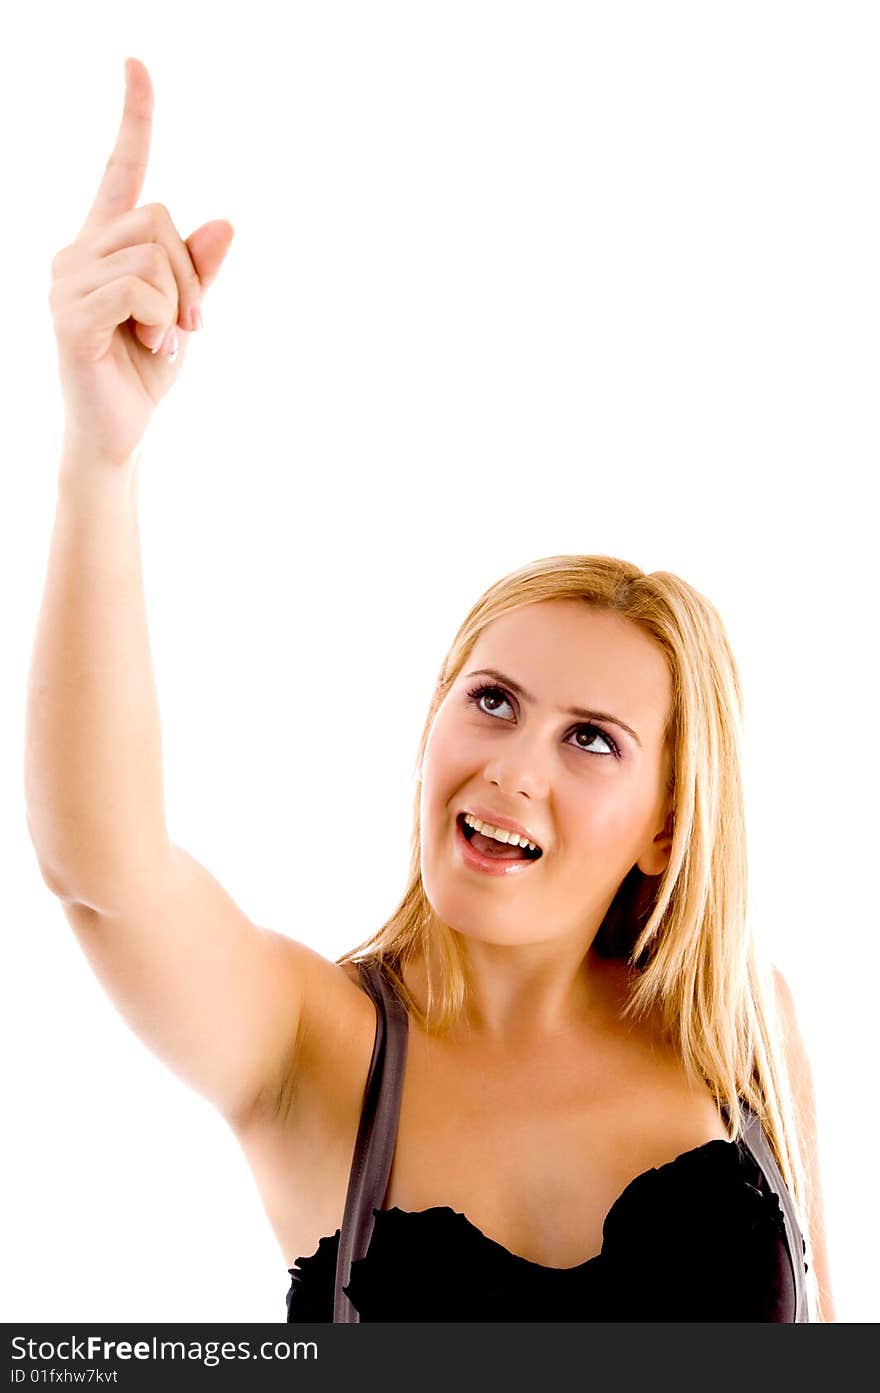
(703, 1237)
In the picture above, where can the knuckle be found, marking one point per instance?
(60, 261)
(159, 216)
(156, 218)
(156, 259)
(163, 223)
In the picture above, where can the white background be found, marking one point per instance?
(508, 280)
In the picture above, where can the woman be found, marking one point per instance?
(559, 1084)
(580, 1013)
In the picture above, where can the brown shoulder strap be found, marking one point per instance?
(377, 1133)
(755, 1139)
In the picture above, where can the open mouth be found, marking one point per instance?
(499, 851)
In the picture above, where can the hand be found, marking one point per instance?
(124, 283)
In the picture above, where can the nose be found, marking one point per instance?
(518, 770)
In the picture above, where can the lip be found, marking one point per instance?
(486, 865)
(506, 823)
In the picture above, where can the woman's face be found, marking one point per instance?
(589, 792)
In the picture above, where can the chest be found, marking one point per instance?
(533, 1147)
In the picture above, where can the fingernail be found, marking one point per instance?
(169, 345)
(196, 317)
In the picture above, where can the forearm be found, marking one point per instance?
(93, 748)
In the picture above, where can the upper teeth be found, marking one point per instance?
(499, 833)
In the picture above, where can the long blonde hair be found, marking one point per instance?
(687, 934)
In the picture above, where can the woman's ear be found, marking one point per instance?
(655, 860)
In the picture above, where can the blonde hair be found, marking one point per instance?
(687, 933)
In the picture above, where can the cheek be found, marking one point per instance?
(450, 757)
(452, 766)
(602, 816)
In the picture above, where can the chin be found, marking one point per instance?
(455, 908)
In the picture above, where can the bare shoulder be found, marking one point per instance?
(794, 1046)
(336, 1031)
(803, 1094)
(333, 997)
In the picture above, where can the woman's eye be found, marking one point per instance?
(482, 692)
(593, 732)
(479, 694)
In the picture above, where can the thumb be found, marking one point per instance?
(208, 246)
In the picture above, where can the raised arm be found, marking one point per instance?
(216, 996)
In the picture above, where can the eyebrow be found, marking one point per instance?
(572, 710)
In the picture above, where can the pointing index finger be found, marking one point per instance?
(123, 179)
